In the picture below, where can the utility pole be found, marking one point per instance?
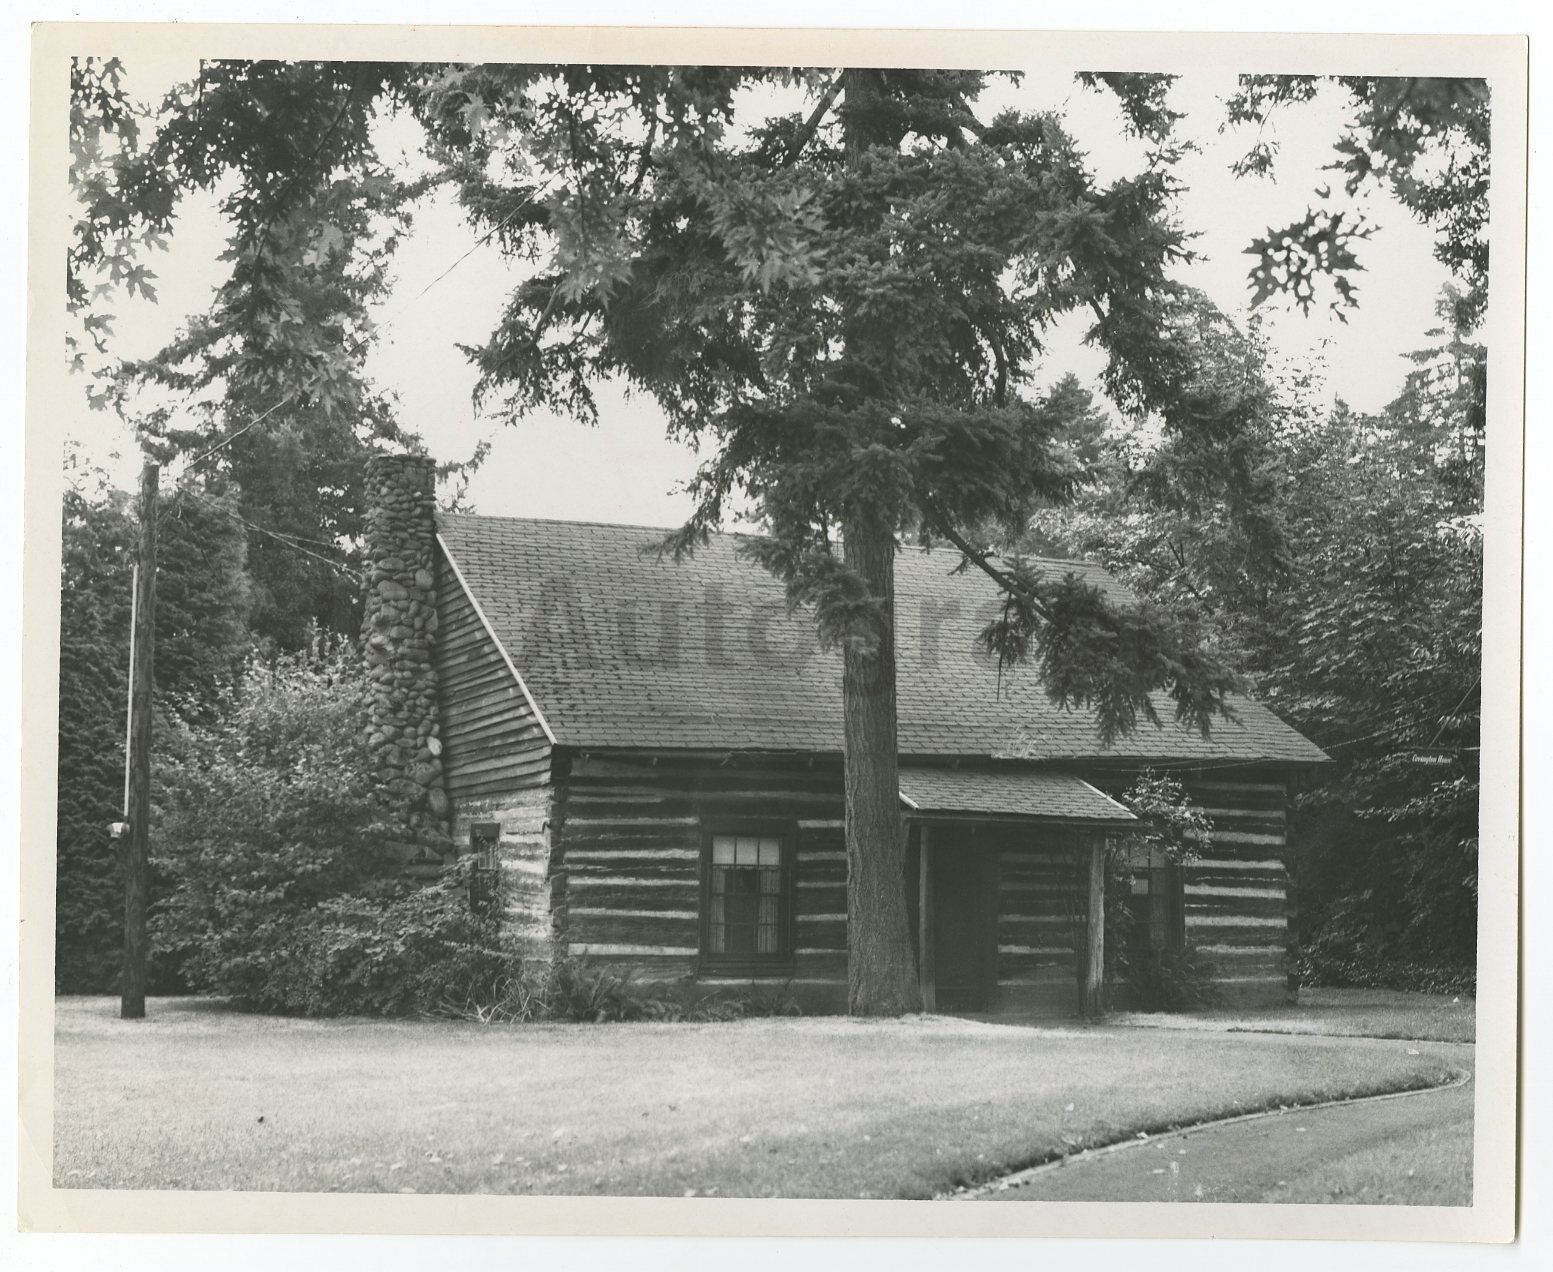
(137, 784)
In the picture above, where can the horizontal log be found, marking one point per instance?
(518, 804)
(610, 895)
(618, 949)
(1225, 923)
(626, 854)
(1198, 904)
(625, 929)
(1222, 890)
(1222, 865)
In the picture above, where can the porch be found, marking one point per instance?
(1007, 895)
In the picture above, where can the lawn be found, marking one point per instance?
(200, 1098)
(1369, 1013)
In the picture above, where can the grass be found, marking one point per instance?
(199, 1098)
(1368, 1013)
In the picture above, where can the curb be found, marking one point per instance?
(1020, 1177)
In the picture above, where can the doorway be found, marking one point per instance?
(965, 931)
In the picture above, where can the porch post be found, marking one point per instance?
(1093, 986)
(927, 972)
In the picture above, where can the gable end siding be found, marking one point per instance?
(496, 759)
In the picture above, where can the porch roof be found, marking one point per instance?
(1034, 794)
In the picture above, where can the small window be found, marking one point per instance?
(483, 869)
(746, 901)
(1158, 902)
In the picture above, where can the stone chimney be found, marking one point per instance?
(399, 632)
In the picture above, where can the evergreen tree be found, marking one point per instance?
(201, 634)
(842, 306)
(1368, 637)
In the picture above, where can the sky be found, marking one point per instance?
(627, 470)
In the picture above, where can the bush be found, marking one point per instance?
(1342, 958)
(1171, 980)
(283, 894)
(566, 989)
(284, 898)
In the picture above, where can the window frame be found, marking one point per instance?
(1166, 883)
(746, 965)
(485, 863)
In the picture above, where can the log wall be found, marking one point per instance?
(1238, 908)
(626, 848)
(630, 839)
(1043, 880)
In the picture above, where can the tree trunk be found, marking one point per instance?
(881, 977)
(881, 972)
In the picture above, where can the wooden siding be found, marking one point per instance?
(497, 761)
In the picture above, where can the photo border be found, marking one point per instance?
(1500, 59)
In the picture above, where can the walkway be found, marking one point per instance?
(1292, 1156)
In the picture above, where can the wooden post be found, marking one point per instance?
(132, 1003)
(1094, 962)
(927, 971)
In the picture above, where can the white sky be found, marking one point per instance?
(627, 470)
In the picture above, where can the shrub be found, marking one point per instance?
(1171, 980)
(1173, 829)
(566, 989)
(284, 899)
(283, 895)
(1342, 957)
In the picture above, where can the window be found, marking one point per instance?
(483, 838)
(1158, 902)
(746, 901)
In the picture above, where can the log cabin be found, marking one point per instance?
(647, 754)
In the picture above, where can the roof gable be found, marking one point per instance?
(622, 649)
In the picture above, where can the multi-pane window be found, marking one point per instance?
(746, 899)
(1158, 901)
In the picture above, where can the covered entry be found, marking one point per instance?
(1017, 852)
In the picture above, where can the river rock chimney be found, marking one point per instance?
(399, 633)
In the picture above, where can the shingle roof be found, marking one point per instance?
(1008, 793)
(622, 649)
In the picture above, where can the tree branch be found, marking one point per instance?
(812, 124)
(641, 167)
(981, 560)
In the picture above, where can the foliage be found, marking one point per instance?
(315, 217)
(1149, 979)
(1168, 821)
(1368, 639)
(1183, 979)
(1426, 140)
(201, 637)
(569, 989)
(748, 270)
(282, 894)
(747, 265)
(1341, 954)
